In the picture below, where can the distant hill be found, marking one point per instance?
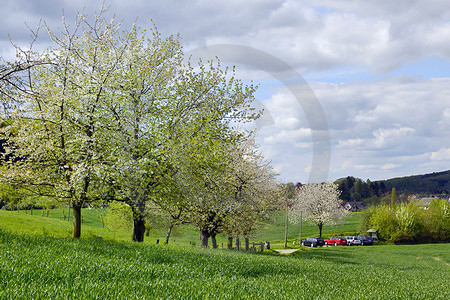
(433, 183)
(355, 189)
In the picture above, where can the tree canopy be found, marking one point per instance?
(319, 203)
(111, 114)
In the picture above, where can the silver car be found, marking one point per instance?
(353, 240)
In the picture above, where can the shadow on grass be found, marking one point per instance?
(335, 255)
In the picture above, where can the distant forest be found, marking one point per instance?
(355, 189)
(433, 183)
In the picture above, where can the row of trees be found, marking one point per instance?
(355, 189)
(107, 114)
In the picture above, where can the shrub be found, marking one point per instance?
(385, 221)
(410, 225)
(437, 220)
(364, 221)
(408, 222)
(119, 216)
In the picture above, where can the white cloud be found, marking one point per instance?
(288, 136)
(378, 128)
(400, 122)
(391, 135)
(350, 142)
(310, 36)
(390, 166)
(441, 154)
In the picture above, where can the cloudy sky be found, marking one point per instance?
(372, 77)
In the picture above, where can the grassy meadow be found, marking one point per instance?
(41, 222)
(38, 260)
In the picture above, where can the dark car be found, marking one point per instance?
(336, 240)
(313, 242)
(365, 240)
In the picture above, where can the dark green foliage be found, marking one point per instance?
(434, 183)
(355, 189)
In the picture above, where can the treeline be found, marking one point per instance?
(373, 192)
(355, 189)
(433, 183)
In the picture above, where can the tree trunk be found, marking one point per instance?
(320, 229)
(230, 243)
(300, 236)
(204, 238)
(238, 244)
(168, 233)
(214, 242)
(76, 220)
(138, 229)
(247, 244)
(286, 229)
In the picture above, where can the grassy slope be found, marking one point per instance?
(21, 223)
(272, 231)
(37, 266)
(50, 268)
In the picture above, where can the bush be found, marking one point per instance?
(119, 216)
(364, 221)
(384, 219)
(408, 222)
(437, 220)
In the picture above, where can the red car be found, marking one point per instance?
(336, 240)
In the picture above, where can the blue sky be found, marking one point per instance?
(380, 71)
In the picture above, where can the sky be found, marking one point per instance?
(348, 88)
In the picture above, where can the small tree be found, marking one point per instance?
(287, 202)
(437, 220)
(320, 204)
(393, 197)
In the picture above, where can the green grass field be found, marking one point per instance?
(272, 230)
(38, 260)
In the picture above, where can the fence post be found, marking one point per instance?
(230, 243)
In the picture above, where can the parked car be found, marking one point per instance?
(313, 242)
(353, 240)
(365, 239)
(336, 240)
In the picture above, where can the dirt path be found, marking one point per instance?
(286, 251)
